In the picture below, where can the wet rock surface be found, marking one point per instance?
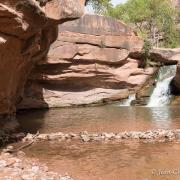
(9, 137)
(175, 83)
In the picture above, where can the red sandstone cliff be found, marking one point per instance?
(27, 28)
(88, 63)
(176, 3)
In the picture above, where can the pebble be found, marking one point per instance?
(84, 136)
(108, 135)
(22, 168)
(3, 163)
(18, 166)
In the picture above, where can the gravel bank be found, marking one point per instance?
(19, 167)
(151, 135)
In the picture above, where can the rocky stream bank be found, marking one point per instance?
(19, 167)
(14, 164)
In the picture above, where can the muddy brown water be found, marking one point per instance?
(110, 161)
(128, 160)
(100, 119)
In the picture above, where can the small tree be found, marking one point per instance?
(146, 53)
(99, 6)
(153, 19)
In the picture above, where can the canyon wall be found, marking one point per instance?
(27, 28)
(90, 62)
(175, 84)
(176, 3)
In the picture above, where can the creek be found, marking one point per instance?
(123, 160)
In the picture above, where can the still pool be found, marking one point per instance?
(110, 118)
(127, 160)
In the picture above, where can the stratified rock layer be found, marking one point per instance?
(27, 28)
(166, 56)
(88, 63)
(169, 57)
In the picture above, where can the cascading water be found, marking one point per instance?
(161, 95)
(127, 102)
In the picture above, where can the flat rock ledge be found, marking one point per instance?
(159, 135)
(18, 167)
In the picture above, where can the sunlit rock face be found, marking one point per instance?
(166, 56)
(88, 63)
(176, 3)
(27, 28)
(169, 56)
(175, 84)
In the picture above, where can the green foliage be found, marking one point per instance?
(100, 6)
(146, 48)
(153, 19)
(102, 44)
(146, 53)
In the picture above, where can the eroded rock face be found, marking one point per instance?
(166, 56)
(27, 28)
(176, 3)
(88, 63)
(175, 83)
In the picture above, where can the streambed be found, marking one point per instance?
(113, 160)
(129, 159)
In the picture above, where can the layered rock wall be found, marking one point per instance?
(27, 28)
(167, 56)
(90, 62)
(176, 3)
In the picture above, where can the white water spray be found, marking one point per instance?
(161, 95)
(127, 102)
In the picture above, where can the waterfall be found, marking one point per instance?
(127, 102)
(161, 95)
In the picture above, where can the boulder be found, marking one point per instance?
(175, 83)
(123, 41)
(176, 3)
(27, 28)
(166, 56)
(89, 63)
(90, 53)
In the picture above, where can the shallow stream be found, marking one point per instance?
(127, 160)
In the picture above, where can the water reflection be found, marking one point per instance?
(98, 119)
(162, 117)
